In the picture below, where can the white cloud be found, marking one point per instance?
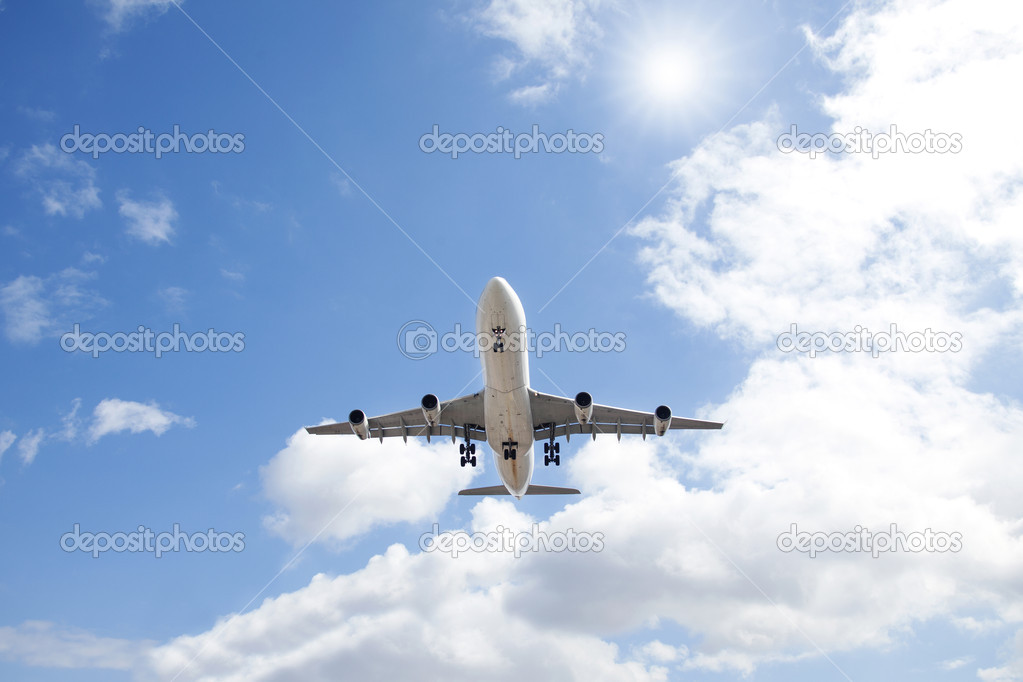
(67, 185)
(532, 95)
(660, 652)
(43, 644)
(553, 36)
(402, 617)
(751, 241)
(28, 446)
(341, 183)
(120, 13)
(37, 113)
(70, 422)
(113, 416)
(232, 275)
(7, 439)
(148, 221)
(1013, 670)
(36, 307)
(955, 663)
(315, 477)
(174, 298)
(88, 258)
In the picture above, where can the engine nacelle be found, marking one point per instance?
(662, 420)
(583, 407)
(360, 425)
(431, 408)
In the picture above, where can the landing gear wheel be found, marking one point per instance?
(557, 460)
(546, 449)
(472, 451)
(513, 453)
(461, 448)
(472, 460)
(464, 460)
(546, 460)
(507, 453)
(557, 448)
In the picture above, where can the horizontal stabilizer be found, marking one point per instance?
(532, 490)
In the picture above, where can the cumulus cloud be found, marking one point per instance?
(113, 415)
(67, 186)
(150, 222)
(339, 489)
(752, 240)
(421, 616)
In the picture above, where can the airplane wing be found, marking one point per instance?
(555, 415)
(456, 417)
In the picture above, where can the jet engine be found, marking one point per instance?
(662, 419)
(583, 407)
(431, 408)
(360, 425)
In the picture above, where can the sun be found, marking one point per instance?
(667, 74)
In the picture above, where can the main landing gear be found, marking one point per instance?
(551, 450)
(468, 451)
(509, 449)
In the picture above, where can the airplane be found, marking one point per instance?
(507, 413)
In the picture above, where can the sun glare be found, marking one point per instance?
(667, 74)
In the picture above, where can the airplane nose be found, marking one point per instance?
(497, 285)
(495, 292)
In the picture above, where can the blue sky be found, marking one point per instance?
(691, 232)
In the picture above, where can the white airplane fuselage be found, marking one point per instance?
(509, 420)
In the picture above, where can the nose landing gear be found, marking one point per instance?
(509, 449)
